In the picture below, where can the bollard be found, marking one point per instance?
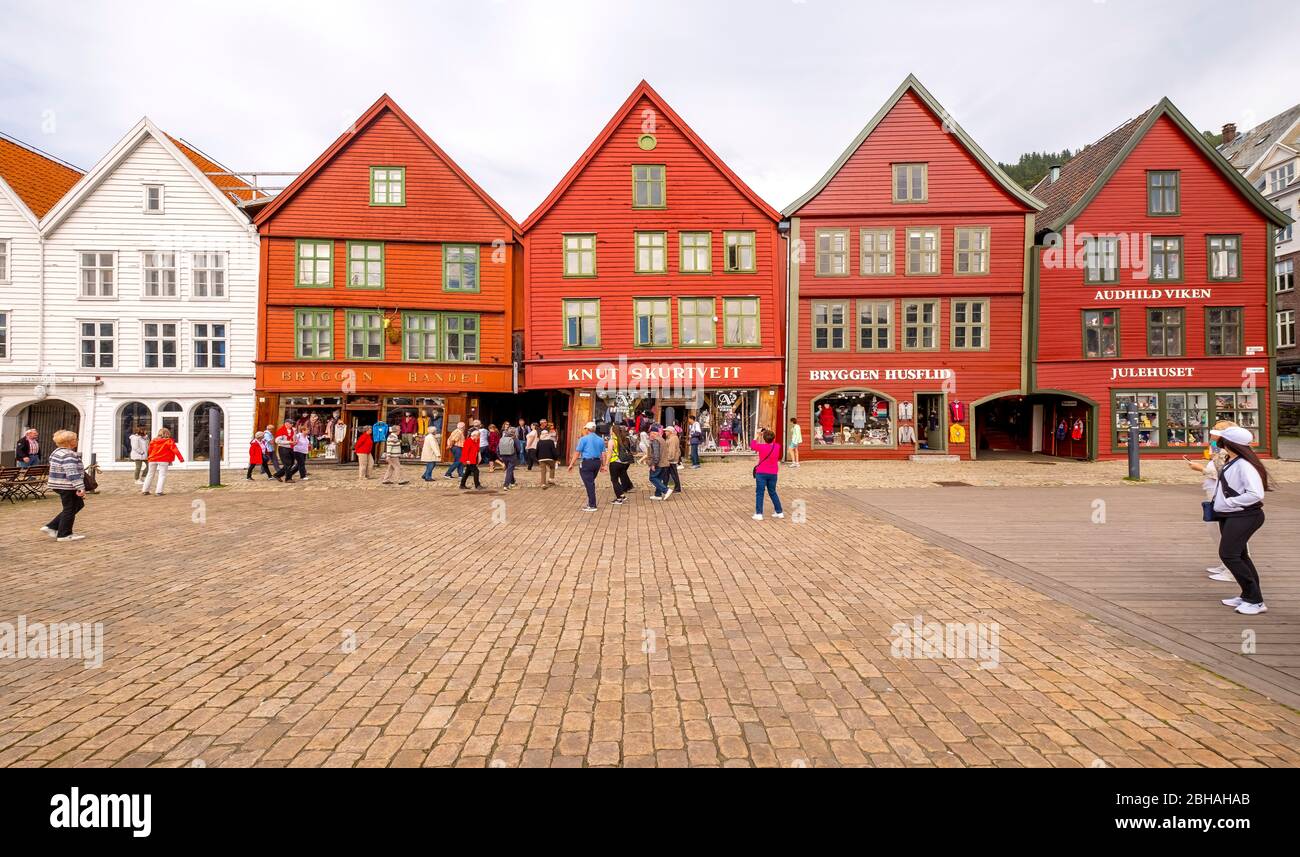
(1134, 462)
(214, 447)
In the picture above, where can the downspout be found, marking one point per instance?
(783, 233)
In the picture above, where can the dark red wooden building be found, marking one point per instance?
(907, 292)
(1152, 299)
(654, 283)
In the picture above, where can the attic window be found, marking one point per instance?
(388, 185)
(153, 199)
(910, 182)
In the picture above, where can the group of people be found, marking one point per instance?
(285, 448)
(474, 445)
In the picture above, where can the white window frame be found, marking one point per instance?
(195, 268)
(145, 268)
(98, 337)
(145, 339)
(99, 279)
(6, 353)
(7, 262)
(162, 198)
(195, 339)
(1287, 326)
(1277, 276)
(1282, 171)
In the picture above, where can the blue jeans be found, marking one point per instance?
(657, 480)
(455, 466)
(30, 461)
(589, 470)
(695, 453)
(428, 470)
(765, 481)
(511, 463)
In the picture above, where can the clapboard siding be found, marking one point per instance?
(494, 339)
(20, 293)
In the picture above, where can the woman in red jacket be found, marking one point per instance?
(364, 444)
(469, 457)
(162, 452)
(256, 457)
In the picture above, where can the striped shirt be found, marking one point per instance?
(67, 473)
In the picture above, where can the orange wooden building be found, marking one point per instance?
(389, 283)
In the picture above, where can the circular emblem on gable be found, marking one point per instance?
(647, 141)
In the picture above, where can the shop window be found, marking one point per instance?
(970, 248)
(582, 323)
(1178, 419)
(365, 335)
(648, 189)
(314, 333)
(1187, 419)
(208, 275)
(460, 268)
(388, 185)
(875, 325)
(651, 252)
(1225, 257)
(653, 322)
(1137, 414)
(696, 252)
(199, 442)
(1240, 407)
(580, 255)
(1166, 260)
(161, 345)
(832, 253)
(830, 326)
(876, 247)
(729, 419)
(920, 325)
(970, 325)
(695, 325)
(1165, 332)
(923, 251)
(911, 182)
(1101, 333)
(133, 415)
(1162, 193)
(365, 265)
(740, 322)
(460, 338)
(853, 418)
(1223, 331)
(739, 252)
(420, 334)
(210, 345)
(315, 264)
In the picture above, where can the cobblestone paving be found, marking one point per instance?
(344, 625)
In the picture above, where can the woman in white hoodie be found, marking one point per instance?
(1239, 507)
(139, 452)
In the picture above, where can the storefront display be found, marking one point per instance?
(852, 418)
(1177, 419)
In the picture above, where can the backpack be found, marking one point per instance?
(506, 446)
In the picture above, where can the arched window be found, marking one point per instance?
(170, 417)
(199, 434)
(134, 415)
(853, 418)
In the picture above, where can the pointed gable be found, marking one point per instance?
(442, 202)
(37, 179)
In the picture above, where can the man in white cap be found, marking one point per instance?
(591, 452)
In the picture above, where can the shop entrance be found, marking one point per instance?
(46, 417)
(357, 418)
(1043, 424)
(931, 423)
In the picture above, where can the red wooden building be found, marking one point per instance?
(388, 286)
(654, 283)
(1153, 298)
(908, 284)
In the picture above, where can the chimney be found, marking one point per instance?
(1229, 132)
(1055, 173)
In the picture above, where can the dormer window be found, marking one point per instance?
(388, 185)
(153, 199)
(1281, 177)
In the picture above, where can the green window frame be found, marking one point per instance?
(1101, 334)
(460, 337)
(1165, 259)
(652, 322)
(695, 251)
(421, 336)
(1223, 331)
(365, 265)
(970, 324)
(876, 252)
(920, 321)
(1223, 258)
(1163, 193)
(1180, 419)
(830, 326)
(582, 323)
(460, 268)
(832, 253)
(649, 186)
(970, 251)
(1101, 259)
(739, 254)
(696, 327)
(313, 333)
(1166, 332)
(579, 254)
(924, 245)
(314, 268)
(911, 182)
(365, 334)
(388, 186)
(741, 322)
(875, 325)
(651, 253)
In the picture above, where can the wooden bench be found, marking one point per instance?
(21, 483)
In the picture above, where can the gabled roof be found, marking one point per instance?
(37, 179)
(1247, 150)
(372, 113)
(1067, 198)
(235, 187)
(911, 84)
(645, 90)
(113, 159)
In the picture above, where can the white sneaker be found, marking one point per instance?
(72, 538)
(758, 517)
(1233, 602)
(1217, 569)
(50, 530)
(1225, 576)
(668, 494)
(655, 497)
(1252, 609)
(778, 515)
(590, 509)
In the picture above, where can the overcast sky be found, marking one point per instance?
(516, 90)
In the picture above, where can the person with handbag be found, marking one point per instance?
(765, 473)
(1239, 504)
(1209, 468)
(67, 479)
(620, 459)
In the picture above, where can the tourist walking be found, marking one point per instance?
(430, 453)
(28, 451)
(364, 447)
(494, 448)
(547, 454)
(456, 445)
(765, 472)
(162, 453)
(283, 440)
(508, 449)
(256, 453)
(521, 435)
(139, 444)
(620, 459)
(393, 462)
(590, 451)
(1208, 468)
(301, 445)
(67, 478)
(695, 435)
(530, 446)
(672, 457)
(796, 438)
(654, 459)
(469, 458)
(1239, 506)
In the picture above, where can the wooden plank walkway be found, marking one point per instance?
(1142, 570)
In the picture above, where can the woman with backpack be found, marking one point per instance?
(508, 451)
(765, 473)
(620, 459)
(163, 452)
(1239, 508)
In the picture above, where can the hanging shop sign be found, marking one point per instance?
(880, 374)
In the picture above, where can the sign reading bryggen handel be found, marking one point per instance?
(879, 374)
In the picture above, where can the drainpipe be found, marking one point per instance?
(40, 329)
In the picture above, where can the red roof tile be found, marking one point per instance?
(229, 185)
(39, 180)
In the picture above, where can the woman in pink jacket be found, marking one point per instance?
(765, 473)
